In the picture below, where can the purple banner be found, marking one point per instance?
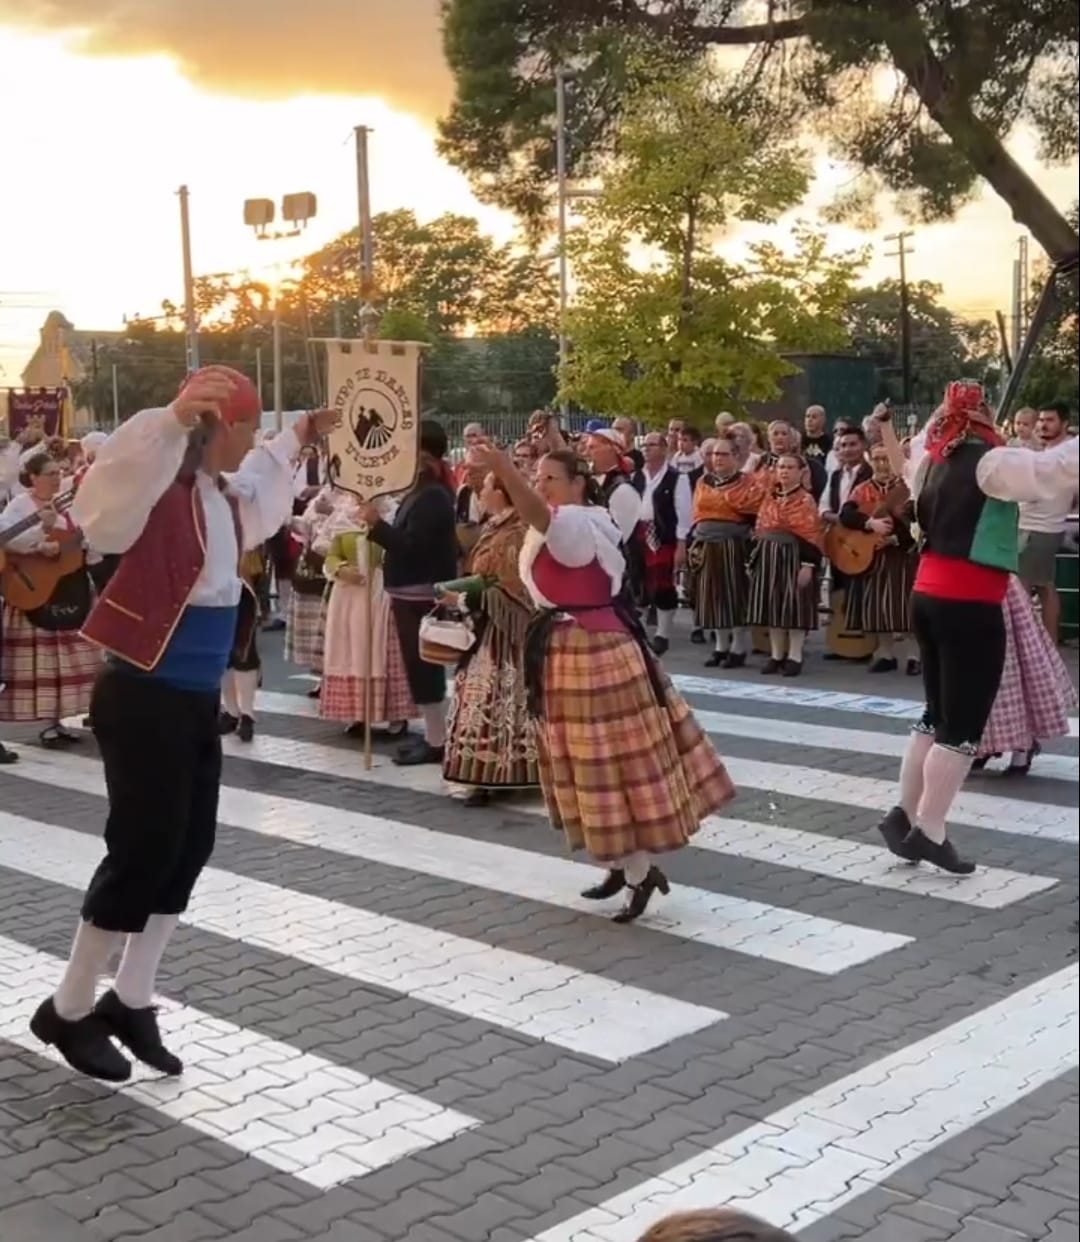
(43, 406)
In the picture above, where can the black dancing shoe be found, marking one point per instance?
(716, 660)
(7, 756)
(1022, 769)
(883, 666)
(913, 669)
(614, 882)
(941, 854)
(640, 895)
(770, 667)
(415, 754)
(791, 668)
(227, 723)
(137, 1030)
(735, 659)
(896, 829)
(978, 764)
(84, 1044)
(245, 729)
(697, 635)
(660, 645)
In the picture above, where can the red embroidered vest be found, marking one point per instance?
(136, 614)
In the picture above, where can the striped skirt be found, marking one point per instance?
(305, 630)
(621, 772)
(776, 601)
(879, 601)
(721, 587)
(46, 674)
(1035, 693)
(490, 740)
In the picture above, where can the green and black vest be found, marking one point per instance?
(957, 519)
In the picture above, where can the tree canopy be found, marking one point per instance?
(919, 94)
(662, 325)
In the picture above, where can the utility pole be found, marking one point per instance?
(901, 252)
(560, 171)
(189, 283)
(363, 200)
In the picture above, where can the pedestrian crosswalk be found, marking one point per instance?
(538, 966)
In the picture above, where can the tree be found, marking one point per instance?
(693, 332)
(963, 74)
(944, 346)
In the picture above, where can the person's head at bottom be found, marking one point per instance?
(715, 1225)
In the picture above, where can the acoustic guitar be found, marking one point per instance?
(28, 580)
(852, 552)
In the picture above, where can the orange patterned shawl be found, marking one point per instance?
(794, 512)
(730, 500)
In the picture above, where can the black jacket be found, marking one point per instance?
(421, 543)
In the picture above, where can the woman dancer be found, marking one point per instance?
(966, 487)
(349, 561)
(627, 772)
(1036, 692)
(491, 742)
(46, 665)
(788, 543)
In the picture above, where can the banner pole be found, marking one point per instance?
(369, 642)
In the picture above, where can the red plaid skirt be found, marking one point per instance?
(47, 674)
(659, 569)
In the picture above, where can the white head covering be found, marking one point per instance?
(91, 442)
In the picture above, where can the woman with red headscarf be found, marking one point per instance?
(966, 486)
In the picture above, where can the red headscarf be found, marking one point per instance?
(243, 404)
(963, 413)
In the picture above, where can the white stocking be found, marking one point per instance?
(665, 618)
(721, 641)
(796, 643)
(778, 644)
(228, 693)
(245, 684)
(944, 773)
(911, 771)
(89, 960)
(740, 640)
(136, 979)
(434, 715)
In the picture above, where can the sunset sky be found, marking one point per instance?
(104, 116)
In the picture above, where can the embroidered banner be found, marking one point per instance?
(41, 407)
(375, 387)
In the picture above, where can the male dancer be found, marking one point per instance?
(966, 486)
(663, 526)
(159, 496)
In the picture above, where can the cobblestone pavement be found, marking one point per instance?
(400, 1022)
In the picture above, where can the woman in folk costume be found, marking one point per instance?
(47, 668)
(726, 503)
(626, 771)
(966, 486)
(1036, 692)
(244, 671)
(350, 558)
(158, 495)
(421, 549)
(306, 624)
(788, 548)
(490, 741)
(879, 600)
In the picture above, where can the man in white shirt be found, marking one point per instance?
(663, 526)
(1043, 524)
(606, 452)
(851, 470)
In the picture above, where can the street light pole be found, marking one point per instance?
(560, 172)
(189, 283)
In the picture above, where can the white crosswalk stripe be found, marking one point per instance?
(326, 1124)
(296, 1111)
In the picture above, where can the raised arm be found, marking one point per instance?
(1020, 474)
(263, 486)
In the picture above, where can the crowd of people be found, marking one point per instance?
(545, 581)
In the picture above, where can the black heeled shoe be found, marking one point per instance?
(640, 895)
(227, 723)
(896, 829)
(610, 886)
(1022, 769)
(941, 854)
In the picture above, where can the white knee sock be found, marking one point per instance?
(778, 644)
(740, 640)
(634, 866)
(944, 773)
(665, 619)
(884, 648)
(434, 715)
(284, 594)
(721, 641)
(796, 643)
(911, 771)
(89, 960)
(228, 693)
(137, 977)
(245, 685)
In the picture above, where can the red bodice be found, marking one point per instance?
(585, 587)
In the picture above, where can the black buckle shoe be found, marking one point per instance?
(611, 885)
(245, 730)
(640, 895)
(896, 829)
(84, 1044)
(942, 855)
(227, 723)
(137, 1030)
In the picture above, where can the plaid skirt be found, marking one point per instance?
(305, 630)
(1036, 692)
(621, 772)
(47, 674)
(344, 685)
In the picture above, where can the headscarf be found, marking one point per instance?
(963, 413)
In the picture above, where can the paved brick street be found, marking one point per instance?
(400, 1021)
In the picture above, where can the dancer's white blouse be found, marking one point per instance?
(576, 536)
(137, 464)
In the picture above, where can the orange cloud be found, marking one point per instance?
(266, 49)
